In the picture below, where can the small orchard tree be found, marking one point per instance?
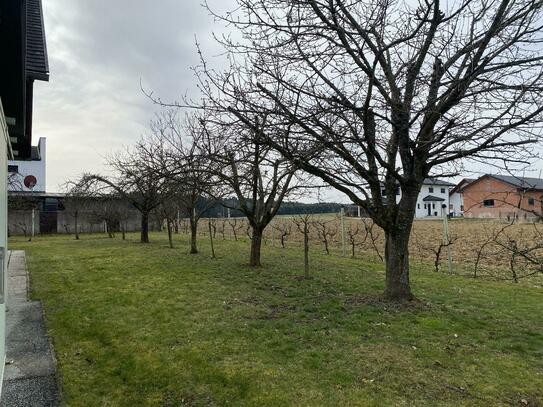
(77, 201)
(259, 177)
(137, 179)
(304, 224)
(169, 209)
(187, 170)
(23, 205)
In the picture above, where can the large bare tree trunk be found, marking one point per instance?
(193, 235)
(397, 250)
(144, 227)
(256, 246)
(397, 266)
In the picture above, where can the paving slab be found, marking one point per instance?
(30, 375)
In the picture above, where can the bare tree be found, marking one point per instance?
(77, 200)
(284, 230)
(168, 209)
(23, 205)
(352, 232)
(138, 179)
(372, 233)
(381, 95)
(109, 210)
(303, 224)
(259, 177)
(524, 253)
(186, 164)
(325, 231)
(235, 226)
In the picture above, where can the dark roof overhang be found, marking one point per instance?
(24, 59)
(37, 63)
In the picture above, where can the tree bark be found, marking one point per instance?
(76, 215)
(256, 246)
(193, 235)
(397, 286)
(144, 227)
(397, 265)
(169, 226)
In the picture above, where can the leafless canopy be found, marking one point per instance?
(136, 178)
(380, 94)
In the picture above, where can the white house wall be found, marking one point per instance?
(457, 203)
(31, 167)
(440, 191)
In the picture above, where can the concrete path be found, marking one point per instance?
(30, 377)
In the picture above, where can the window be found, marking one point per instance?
(433, 206)
(424, 206)
(462, 208)
(418, 206)
(488, 202)
(531, 201)
(13, 168)
(384, 192)
(431, 189)
(442, 190)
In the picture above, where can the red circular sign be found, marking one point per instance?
(30, 181)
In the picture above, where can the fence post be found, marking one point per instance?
(446, 239)
(33, 217)
(342, 215)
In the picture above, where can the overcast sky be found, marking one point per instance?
(99, 51)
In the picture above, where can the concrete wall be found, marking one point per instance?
(509, 202)
(89, 222)
(20, 222)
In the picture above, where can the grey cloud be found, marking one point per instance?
(99, 51)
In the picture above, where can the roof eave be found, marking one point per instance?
(39, 76)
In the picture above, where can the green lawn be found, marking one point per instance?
(145, 325)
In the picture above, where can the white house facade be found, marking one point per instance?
(29, 174)
(433, 199)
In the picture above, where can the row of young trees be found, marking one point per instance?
(366, 96)
(184, 168)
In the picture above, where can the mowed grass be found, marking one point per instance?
(146, 325)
